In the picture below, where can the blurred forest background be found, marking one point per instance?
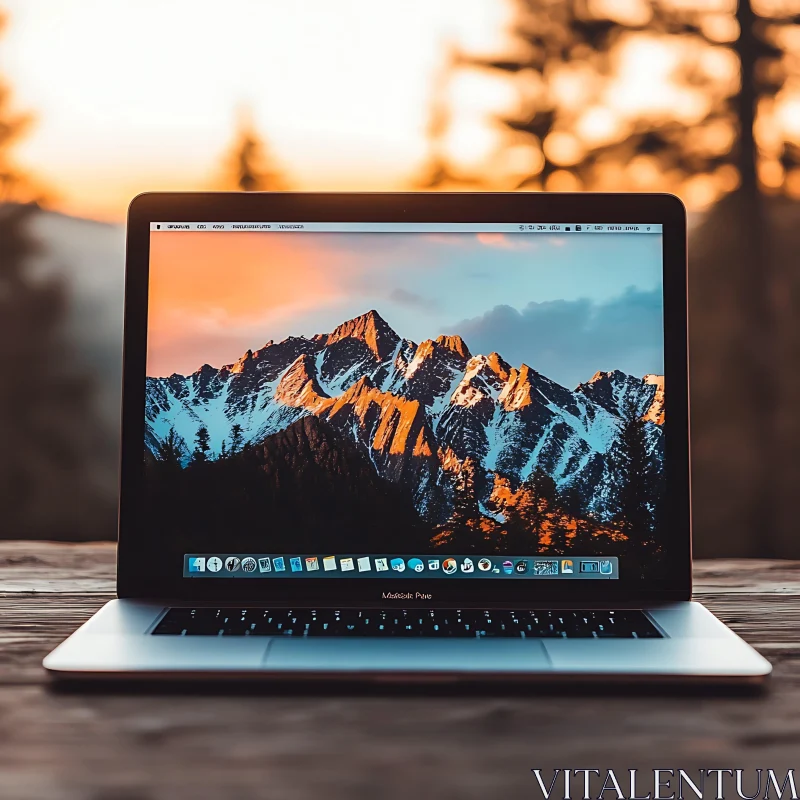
(696, 97)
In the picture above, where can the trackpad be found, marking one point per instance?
(453, 656)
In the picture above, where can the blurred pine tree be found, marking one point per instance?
(586, 120)
(46, 426)
(249, 166)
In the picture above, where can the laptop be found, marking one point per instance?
(405, 437)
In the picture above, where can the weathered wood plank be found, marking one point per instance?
(121, 745)
(333, 746)
(49, 567)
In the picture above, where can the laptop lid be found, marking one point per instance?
(417, 398)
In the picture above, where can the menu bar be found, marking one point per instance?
(410, 227)
(244, 565)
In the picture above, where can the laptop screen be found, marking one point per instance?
(437, 401)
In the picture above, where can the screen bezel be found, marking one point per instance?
(140, 571)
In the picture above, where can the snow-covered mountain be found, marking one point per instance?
(417, 411)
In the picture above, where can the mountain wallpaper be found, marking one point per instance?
(363, 440)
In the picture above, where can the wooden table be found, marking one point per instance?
(122, 744)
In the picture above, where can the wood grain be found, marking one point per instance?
(124, 744)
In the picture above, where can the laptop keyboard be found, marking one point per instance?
(444, 623)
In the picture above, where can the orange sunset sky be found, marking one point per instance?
(143, 95)
(212, 296)
(568, 306)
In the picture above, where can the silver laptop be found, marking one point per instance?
(404, 437)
